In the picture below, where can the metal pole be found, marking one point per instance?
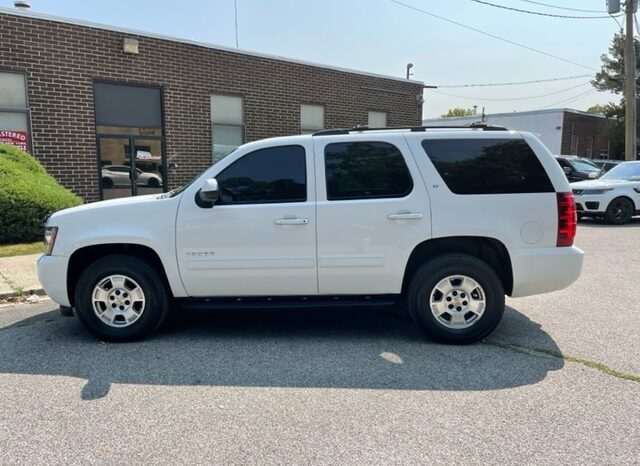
(630, 150)
(235, 9)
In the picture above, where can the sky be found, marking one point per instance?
(382, 36)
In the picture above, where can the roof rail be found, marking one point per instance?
(357, 129)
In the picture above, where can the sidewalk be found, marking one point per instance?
(18, 276)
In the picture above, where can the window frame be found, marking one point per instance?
(242, 126)
(386, 118)
(239, 159)
(330, 198)
(304, 130)
(549, 188)
(21, 111)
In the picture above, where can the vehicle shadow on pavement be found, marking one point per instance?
(352, 349)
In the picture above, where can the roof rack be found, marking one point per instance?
(357, 129)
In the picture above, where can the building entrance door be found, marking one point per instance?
(126, 172)
(130, 140)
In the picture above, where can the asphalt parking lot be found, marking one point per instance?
(557, 383)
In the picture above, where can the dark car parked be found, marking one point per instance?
(606, 165)
(578, 169)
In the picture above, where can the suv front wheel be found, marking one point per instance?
(121, 298)
(456, 299)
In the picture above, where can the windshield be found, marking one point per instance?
(584, 165)
(624, 171)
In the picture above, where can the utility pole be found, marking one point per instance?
(630, 144)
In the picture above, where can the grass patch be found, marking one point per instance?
(21, 249)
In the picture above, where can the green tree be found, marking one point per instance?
(457, 112)
(610, 78)
(597, 108)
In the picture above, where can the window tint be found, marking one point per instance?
(275, 174)
(487, 166)
(362, 170)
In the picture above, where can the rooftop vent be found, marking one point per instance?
(21, 5)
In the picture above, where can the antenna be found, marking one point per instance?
(235, 8)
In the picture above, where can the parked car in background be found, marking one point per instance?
(120, 175)
(606, 165)
(578, 169)
(614, 197)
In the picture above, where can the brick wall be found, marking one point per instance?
(62, 61)
(584, 127)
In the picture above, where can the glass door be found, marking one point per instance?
(125, 172)
(115, 167)
(149, 170)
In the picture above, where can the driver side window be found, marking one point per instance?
(265, 176)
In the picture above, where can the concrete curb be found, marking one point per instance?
(15, 294)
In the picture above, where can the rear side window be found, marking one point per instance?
(488, 166)
(272, 175)
(365, 170)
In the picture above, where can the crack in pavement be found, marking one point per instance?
(546, 353)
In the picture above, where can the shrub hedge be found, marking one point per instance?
(27, 195)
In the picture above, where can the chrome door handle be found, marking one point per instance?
(291, 221)
(405, 215)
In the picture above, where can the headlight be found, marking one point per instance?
(50, 234)
(597, 191)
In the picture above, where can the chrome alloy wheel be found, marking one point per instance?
(118, 301)
(457, 302)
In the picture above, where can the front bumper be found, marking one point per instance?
(52, 273)
(541, 270)
(590, 204)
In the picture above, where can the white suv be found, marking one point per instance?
(446, 221)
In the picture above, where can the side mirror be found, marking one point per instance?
(209, 191)
(567, 170)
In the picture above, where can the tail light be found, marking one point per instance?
(567, 219)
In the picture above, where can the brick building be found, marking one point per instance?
(100, 105)
(563, 130)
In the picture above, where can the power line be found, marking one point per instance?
(572, 99)
(442, 18)
(511, 99)
(562, 7)
(529, 12)
(516, 83)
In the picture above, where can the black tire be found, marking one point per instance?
(155, 309)
(619, 211)
(431, 274)
(107, 183)
(153, 183)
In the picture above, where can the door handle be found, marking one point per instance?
(405, 215)
(291, 221)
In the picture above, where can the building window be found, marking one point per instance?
(377, 120)
(574, 145)
(227, 125)
(14, 112)
(588, 151)
(311, 118)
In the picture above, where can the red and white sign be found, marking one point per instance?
(20, 139)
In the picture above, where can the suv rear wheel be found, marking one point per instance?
(456, 299)
(121, 298)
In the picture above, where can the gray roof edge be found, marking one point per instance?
(527, 112)
(152, 35)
